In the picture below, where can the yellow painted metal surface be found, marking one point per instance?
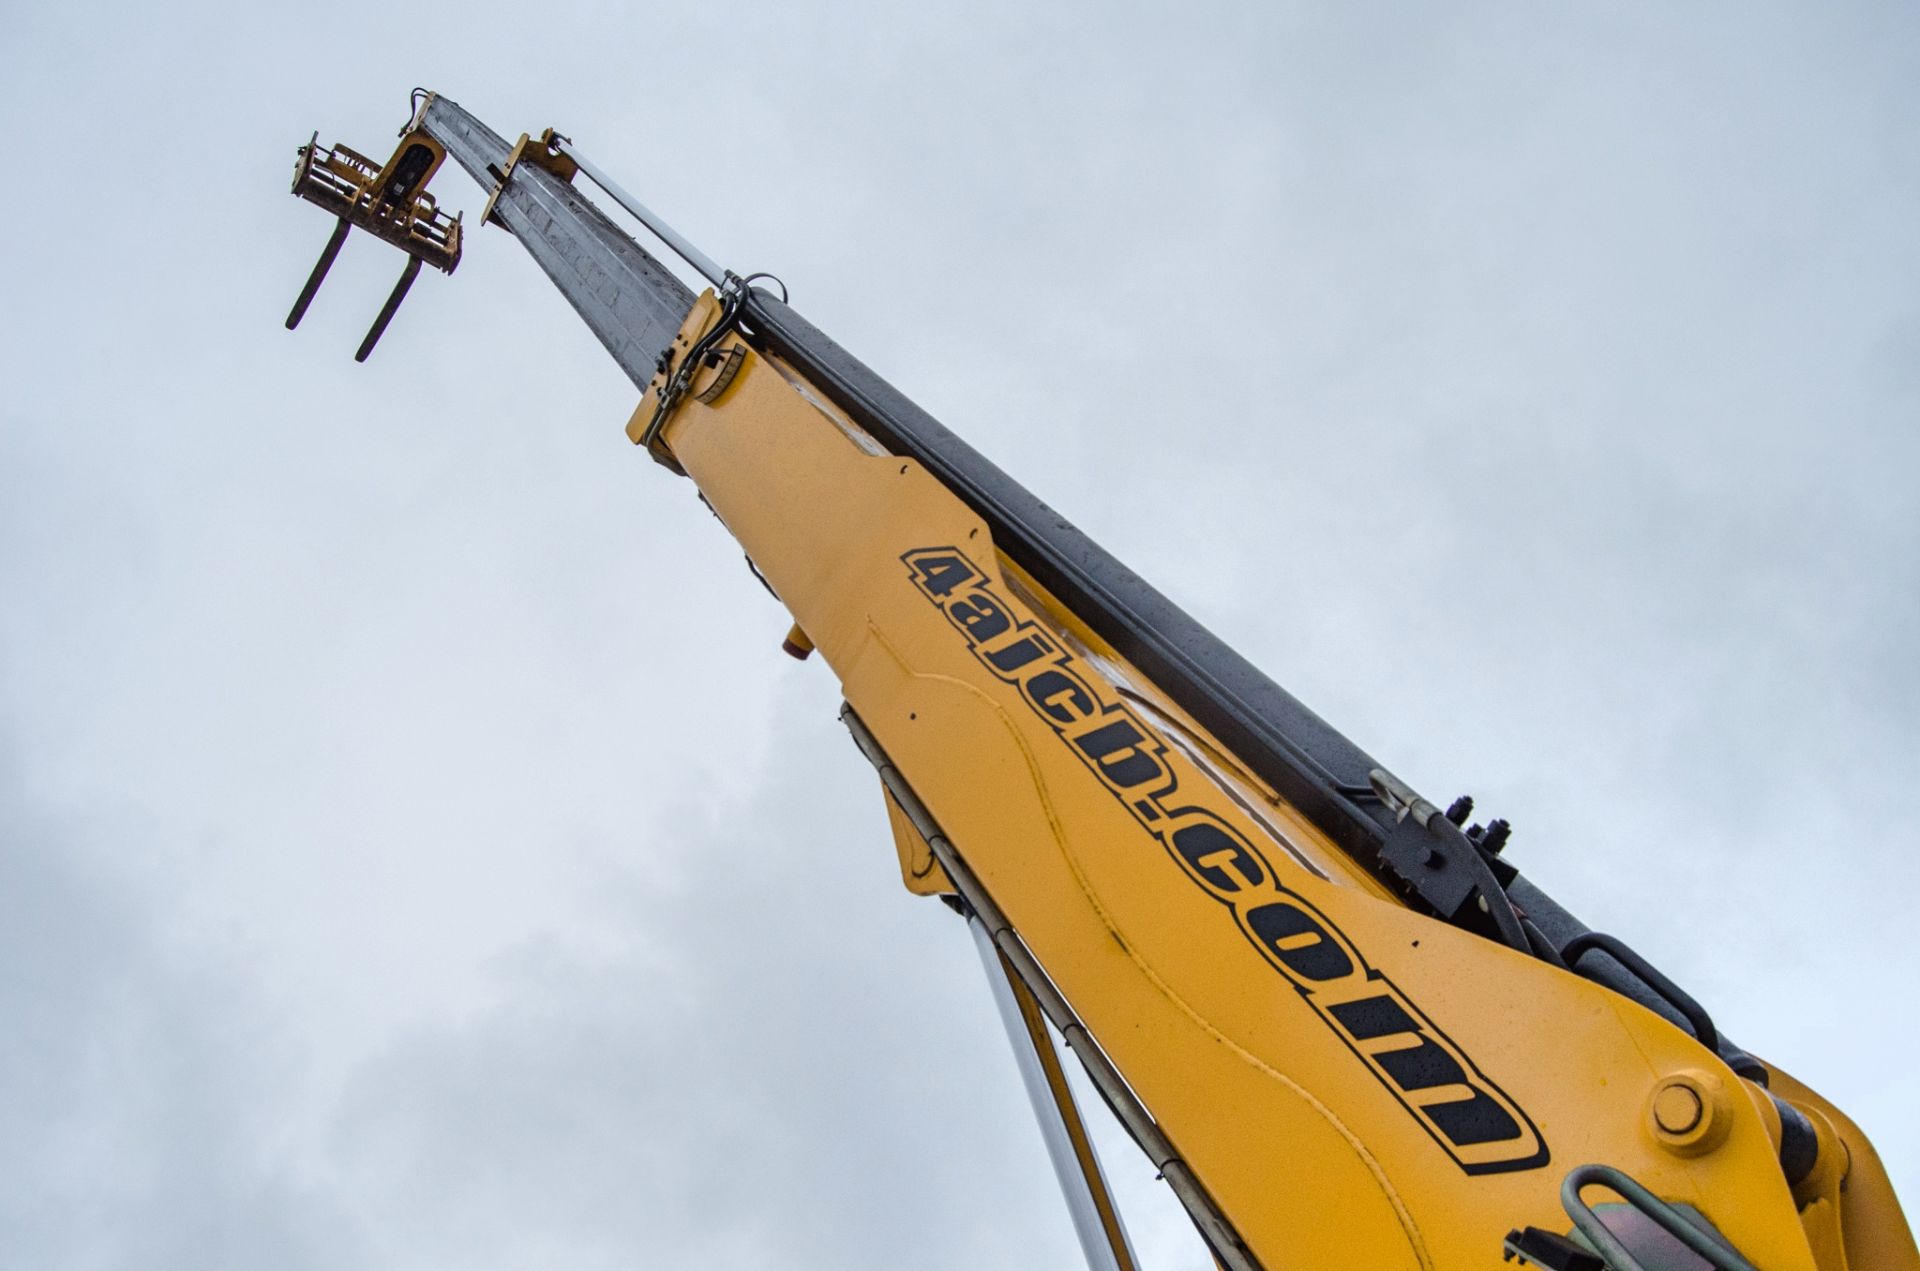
(920, 873)
(1354, 1084)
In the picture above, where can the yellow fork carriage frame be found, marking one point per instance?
(1346, 1029)
(388, 201)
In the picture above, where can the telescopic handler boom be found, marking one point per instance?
(1345, 1027)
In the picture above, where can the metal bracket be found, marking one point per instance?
(684, 361)
(546, 152)
(1433, 859)
(1682, 1224)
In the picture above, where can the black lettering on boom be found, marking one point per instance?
(980, 618)
(1470, 1118)
(939, 575)
(1060, 697)
(1018, 654)
(1373, 1017)
(1303, 946)
(1421, 1066)
(1475, 1121)
(1117, 749)
(1217, 856)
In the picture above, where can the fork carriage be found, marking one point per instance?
(390, 202)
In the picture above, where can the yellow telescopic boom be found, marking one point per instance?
(1347, 1030)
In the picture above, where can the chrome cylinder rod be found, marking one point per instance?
(1096, 1220)
(647, 217)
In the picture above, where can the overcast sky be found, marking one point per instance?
(415, 851)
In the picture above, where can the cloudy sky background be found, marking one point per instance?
(415, 851)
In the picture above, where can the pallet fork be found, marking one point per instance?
(390, 202)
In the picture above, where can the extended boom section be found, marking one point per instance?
(1344, 1027)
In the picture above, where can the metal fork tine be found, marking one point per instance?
(411, 272)
(319, 273)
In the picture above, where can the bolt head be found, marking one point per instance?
(1689, 1112)
(1677, 1109)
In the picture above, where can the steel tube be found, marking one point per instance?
(649, 218)
(1075, 1185)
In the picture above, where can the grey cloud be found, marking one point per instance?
(1532, 392)
(781, 1060)
(142, 1082)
